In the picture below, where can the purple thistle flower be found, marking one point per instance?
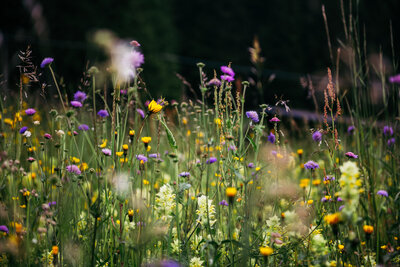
(184, 174)
(274, 119)
(251, 165)
(73, 169)
(30, 111)
(153, 156)
(253, 115)
(23, 129)
(350, 130)
(83, 127)
(395, 79)
(223, 203)
(228, 70)
(317, 136)
(106, 151)
(47, 136)
(31, 159)
(76, 104)
(211, 160)
(351, 155)
(137, 59)
(141, 112)
(227, 78)
(3, 229)
(46, 61)
(323, 199)
(341, 207)
(311, 165)
(141, 157)
(382, 193)
(387, 130)
(102, 113)
(232, 147)
(329, 178)
(391, 141)
(123, 91)
(80, 96)
(214, 82)
(339, 199)
(271, 138)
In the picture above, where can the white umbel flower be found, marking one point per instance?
(202, 202)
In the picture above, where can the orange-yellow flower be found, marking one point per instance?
(154, 107)
(266, 251)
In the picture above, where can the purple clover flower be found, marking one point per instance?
(317, 136)
(311, 165)
(80, 96)
(30, 111)
(141, 157)
(351, 155)
(47, 136)
(223, 203)
(31, 159)
(23, 129)
(46, 61)
(227, 78)
(184, 174)
(387, 130)
(253, 115)
(251, 165)
(228, 70)
(76, 104)
(339, 199)
(395, 79)
(271, 138)
(103, 113)
(153, 156)
(383, 193)
(4, 229)
(106, 151)
(274, 119)
(73, 169)
(83, 127)
(141, 112)
(211, 160)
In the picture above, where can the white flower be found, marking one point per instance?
(36, 122)
(202, 202)
(60, 133)
(350, 169)
(165, 202)
(27, 134)
(196, 262)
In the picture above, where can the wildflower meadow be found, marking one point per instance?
(112, 175)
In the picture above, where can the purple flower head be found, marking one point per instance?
(391, 141)
(323, 199)
(46, 61)
(227, 70)
(106, 151)
(387, 130)
(141, 157)
(147, 103)
(274, 153)
(23, 129)
(395, 79)
(141, 112)
(30, 111)
(83, 127)
(123, 91)
(153, 156)
(169, 263)
(211, 160)
(339, 199)
(102, 113)
(382, 193)
(341, 207)
(214, 82)
(47, 136)
(271, 138)
(232, 147)
(184, 174)
(53, 203)
(251, 165)
(73, 169)
(317, 136)
(252, 115)
(137, 59)
(329, 178)
(351, 155)
(223, 203)
(3, 229)
(76, 104)
(311, 165)
(227, 78)
(274, 119)
(31, 159)
(350, 130)
(80, 96)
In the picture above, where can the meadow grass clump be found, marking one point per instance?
(115, 177)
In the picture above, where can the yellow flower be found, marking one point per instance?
(304, 183)
(316, 182)
(299, 152)
(231, 192)
(154, 107)
(146, 139)
(9, 122)
(75, 160)
(131, 132)
(119, 154)
(130, 212)
(332, 219)
(218, 122)
(104, 144)
(309, 202)
(266, 251)
(184, 120)
(26, 194)
(54, 250)
(340, 246)
(145, 182)
(368, 229)
(84, 166)
(148, 148)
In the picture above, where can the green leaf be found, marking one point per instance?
(253, 144)
(171, 138)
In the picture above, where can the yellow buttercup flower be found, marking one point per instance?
(266, 251)
(146, 139)
(332, 219)
(153, 107)
(231, 192)
(104, 144)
